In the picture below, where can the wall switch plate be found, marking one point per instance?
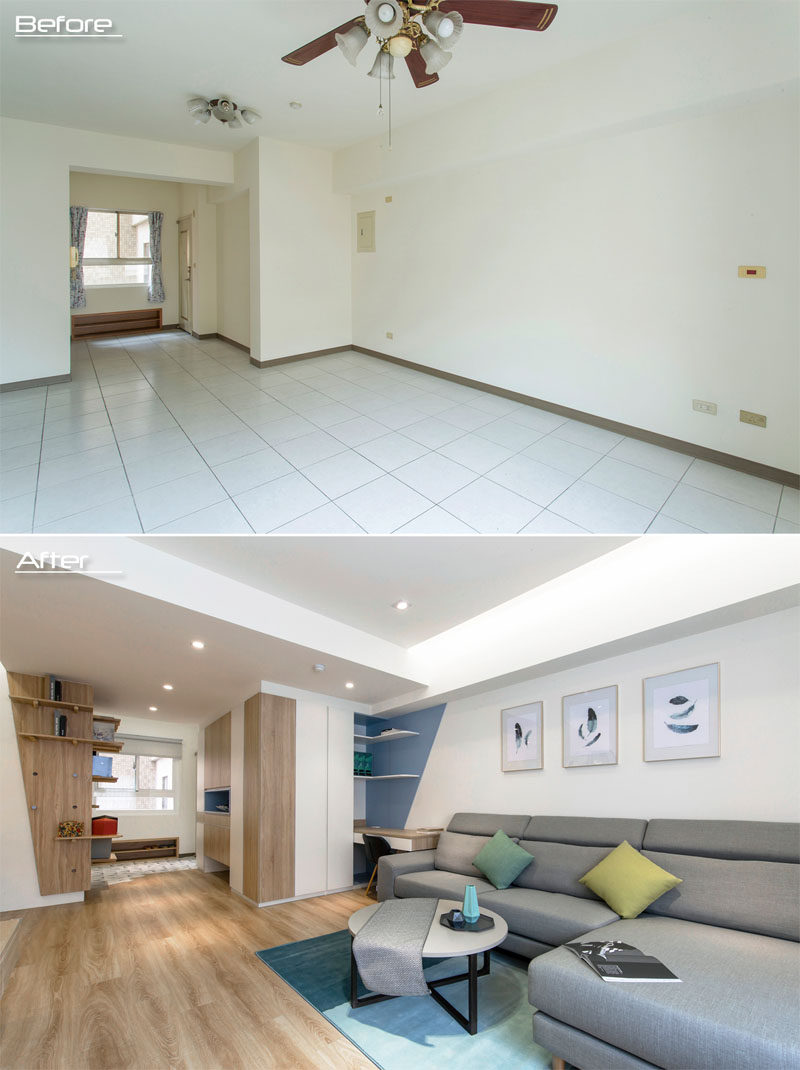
(749, 271)
(365, 232)
(390, 334)
(709, 407)
(754, 418)
(387, 200)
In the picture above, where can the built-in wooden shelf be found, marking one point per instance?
(104, 779)
(108, 720)
(99, 861)
(110, 836)
(98, 744)
(386, 737)
(390, 776)
(51, 703)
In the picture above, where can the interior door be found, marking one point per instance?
(185, 262)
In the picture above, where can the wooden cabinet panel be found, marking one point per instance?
(217, 760)
(216, 843)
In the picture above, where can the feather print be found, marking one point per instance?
(682, 713)
(682, 729)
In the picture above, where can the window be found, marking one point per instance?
(117, 249)
(146, 772)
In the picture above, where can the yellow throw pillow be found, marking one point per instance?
(628, 881)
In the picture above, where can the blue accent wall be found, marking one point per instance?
(389, 801)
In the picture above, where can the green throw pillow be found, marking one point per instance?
(502, 860)
(628, 881)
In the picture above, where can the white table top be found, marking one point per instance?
(444, 943)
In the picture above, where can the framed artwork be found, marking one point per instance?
(521, 737)
(681, 714)
(590, 728)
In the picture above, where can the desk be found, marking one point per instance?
(401, 839)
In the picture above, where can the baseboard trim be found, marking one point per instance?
(29, 384)
(299, 356)
(705, 453)
(238, 345)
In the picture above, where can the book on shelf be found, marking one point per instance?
(616, 961)
(62, 725)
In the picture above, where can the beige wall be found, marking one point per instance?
(134, 195)
(233, 269)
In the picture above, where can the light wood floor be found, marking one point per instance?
(161, 972)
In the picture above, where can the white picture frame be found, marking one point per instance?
(681, 714)
(521, 737)
(589, 727)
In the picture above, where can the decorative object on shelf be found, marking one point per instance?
(101, 765)
(423, 33)
(470, 909)
(681, 714)
(521, 737)
(590, 728)
(68, 829)
(362, 764)
(104, 825)
(103, 731)
(227, 111)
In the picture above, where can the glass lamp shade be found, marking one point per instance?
(400, 46)
(436, 59)
(234, 123)
(249, 115)
(202, 116)
(383, 67)
(445, 28)
(197, 105)
(378, 20)
(352, 42)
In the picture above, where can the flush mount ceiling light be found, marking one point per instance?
(401, 605)
(198, 644)
(318, 668)
(153, 709)
(422, 33)
(349, 685)
(167, 687)
(227, 111)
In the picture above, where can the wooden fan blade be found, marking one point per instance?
(416, 66)
(513, 14)
(319, 47)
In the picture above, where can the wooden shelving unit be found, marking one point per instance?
(58, 780)
(104, 779)
(64, 839)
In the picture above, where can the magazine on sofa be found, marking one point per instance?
(615, 961)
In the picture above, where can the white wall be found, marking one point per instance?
(137, 195)
(754, 779)
(180, 822)
(233, 269)
(34, 191)
(19, 885)
(579, 233)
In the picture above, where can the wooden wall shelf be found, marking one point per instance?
(50, 703)
(97, 744)
(110, 836)
(104, 779)
(108, 720)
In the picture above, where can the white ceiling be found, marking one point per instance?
(447, 579)
(177, 49)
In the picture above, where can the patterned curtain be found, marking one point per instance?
(77, 225)
(155, 295)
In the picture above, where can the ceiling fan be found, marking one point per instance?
(423, 33)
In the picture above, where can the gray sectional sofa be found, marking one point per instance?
(730, 931)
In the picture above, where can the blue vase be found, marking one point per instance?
(471, 910)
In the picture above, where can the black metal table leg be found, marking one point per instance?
(473, 995)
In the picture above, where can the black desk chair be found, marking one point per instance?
(375, 847)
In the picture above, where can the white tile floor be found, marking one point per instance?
(164, 433)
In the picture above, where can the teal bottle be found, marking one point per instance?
(471, 910)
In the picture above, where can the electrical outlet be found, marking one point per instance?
(754, 418)
(709, 407)
(390, 334)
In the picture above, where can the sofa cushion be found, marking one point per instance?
(558, 867)
(628, 881)
(435, 883)
(455, 852)
(547, 917)
(586, 831)
(758, 897)
(767, 841)
(501, 860)
(736, 1007)
(487, 824)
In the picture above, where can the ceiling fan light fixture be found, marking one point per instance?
(234, 123)
(436, 59)
(446, 29)
(352, 42)
(384, 18)
(383, 67)
(202, 117)
(197, 105)
(400, 46)
(249, 115)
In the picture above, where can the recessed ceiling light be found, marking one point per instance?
(153, 709)
(349, 684)
(318, 668)
(295, 105)
(198, 644)
(167, 687)
(401, 605)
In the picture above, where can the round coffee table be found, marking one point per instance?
(441, 943)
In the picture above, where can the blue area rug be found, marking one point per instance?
(413, 1031)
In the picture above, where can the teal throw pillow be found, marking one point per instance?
(502, 860)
